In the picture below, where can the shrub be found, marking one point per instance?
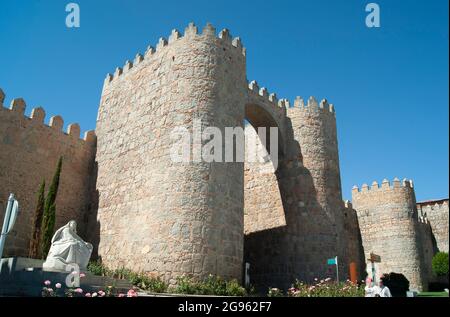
(397, 283)
(140, 280)
(275, 292)
(440, 264)
(35, 251)
(212, 285)
(49, 214)
(326, 288)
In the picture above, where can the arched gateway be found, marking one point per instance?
(173, 218)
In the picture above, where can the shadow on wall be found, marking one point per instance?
(93, 225)
(300, 249)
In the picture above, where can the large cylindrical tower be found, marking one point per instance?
(319, 190)
(154, 214)
(389, 225)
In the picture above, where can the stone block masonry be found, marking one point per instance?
(29, 152)
(145, 212)
(389, 226)
(436, 213)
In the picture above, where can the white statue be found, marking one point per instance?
(67, 249)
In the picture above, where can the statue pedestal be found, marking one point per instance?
(9, 265)
(25, 277)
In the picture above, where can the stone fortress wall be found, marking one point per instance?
(435, 212)
(29, 152)
(148, 213)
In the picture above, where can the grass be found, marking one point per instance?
(433, 294)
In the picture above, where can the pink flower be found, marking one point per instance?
(47, 282)
(82, 275)
(58, 285)
(101, 293)
(50, 290)
(74, 272)
(121, 295)
(88, 295)
(131, 293)
(94, 294)
(78, 290)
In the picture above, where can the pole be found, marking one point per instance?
(6, 221)
(337, 269)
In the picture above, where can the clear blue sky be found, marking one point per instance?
(389, 85)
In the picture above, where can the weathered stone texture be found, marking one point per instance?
(436, 213)
(29, 152)
(186, 218)
(389, 227)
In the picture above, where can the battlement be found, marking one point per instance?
(313, 106)
(190, 32)
(18, 106)
(385, 185)
(272, 98)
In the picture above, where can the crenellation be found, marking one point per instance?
(312, 103)
(253, 86)
(56, 122)
(2, 97)
(175, 35)
(299, 102)
(38, 114)
(149, 51)
(273, 98)
(73, 130)
(138, 59)
(225, 36)
(209, 30)
(90, 137)
(161, 43)
(118, 72)
(263, 92)
(385, 185)
(128, 65)
(191, 30)
(18, 106)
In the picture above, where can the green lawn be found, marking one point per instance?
(433, 294)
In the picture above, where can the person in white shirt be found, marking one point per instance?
(384, 290)
(370, 289)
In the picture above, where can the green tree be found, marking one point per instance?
(48, 221)
(35, 251)
(440, 264)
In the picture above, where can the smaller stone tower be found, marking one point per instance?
(390, 228)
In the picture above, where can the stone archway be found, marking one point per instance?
(263, 205)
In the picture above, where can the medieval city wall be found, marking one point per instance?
(437, 214)
(389, 226)
(29, 152)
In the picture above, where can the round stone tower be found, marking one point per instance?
(156, 214)
(389, 227)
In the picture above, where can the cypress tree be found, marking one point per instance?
(35, 251)
(48, 221)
